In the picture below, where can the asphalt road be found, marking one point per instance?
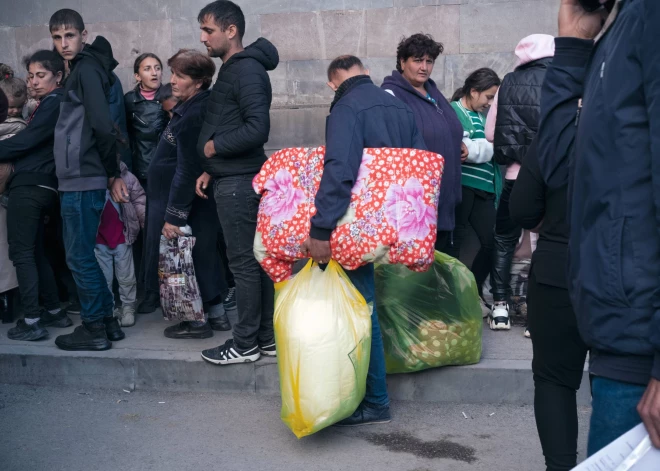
(71, 429)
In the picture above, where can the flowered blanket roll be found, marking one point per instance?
(392, 216)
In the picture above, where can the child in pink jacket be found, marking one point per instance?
(118, 231)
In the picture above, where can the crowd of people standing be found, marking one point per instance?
(113, 173)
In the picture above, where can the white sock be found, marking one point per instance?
(30, 321)
(55, 311)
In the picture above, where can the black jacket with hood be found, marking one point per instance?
(146, 120)
(85, 138)
(238, 113)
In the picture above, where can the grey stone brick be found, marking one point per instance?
(306, 82)
(29, 39)
(458, 67)
(296, 35)
(302, 127)
(8, 49)
(420, 3)
(343, 32)
(355, 4)
(129, 39)
(498, 27)
(31, 12)
(386, 27)
(185, 34)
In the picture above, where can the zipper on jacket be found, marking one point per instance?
(68, 141)
(138, 119)
(577, 114)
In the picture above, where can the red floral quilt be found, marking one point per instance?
(392, 216)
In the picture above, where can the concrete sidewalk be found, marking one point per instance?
(147, 360)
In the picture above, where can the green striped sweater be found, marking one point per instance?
(479, 176)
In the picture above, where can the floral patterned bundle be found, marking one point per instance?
(179, 293)
(392, 216)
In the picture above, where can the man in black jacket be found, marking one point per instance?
(361, 115)
(612, 145)
(86, 164)
(231, 145)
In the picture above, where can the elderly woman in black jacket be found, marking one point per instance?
(171, 198)
(32, 195)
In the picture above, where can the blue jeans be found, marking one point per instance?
(81, 216)
(614, 411)
(376, 396)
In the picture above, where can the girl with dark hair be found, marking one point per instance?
(171, 200)
(33, 195)
(145, 116)
(481, 179)
(145, 120)
(411, 82)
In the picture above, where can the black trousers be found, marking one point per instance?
(507, 235)
(26, 212)
(559, 356)
(477, 210)
(238, 205)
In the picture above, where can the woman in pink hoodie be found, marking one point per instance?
(512, 123)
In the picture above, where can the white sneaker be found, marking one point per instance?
(126, 316)
(499, 317)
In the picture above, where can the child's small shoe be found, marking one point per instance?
(126, 316)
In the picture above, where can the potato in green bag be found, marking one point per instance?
(429, 319)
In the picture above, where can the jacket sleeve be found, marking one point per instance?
(343, 156)
(39, 131)
(527, 202)
(97, 112)
(118, 114)
(650, 64)
(254, 97)
(137, 195)
(479, 150)
(562, 88)
(182, 189)
(491, 118)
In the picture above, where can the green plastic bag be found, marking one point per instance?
(429, 319)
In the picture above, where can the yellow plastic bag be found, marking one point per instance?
(323, 335)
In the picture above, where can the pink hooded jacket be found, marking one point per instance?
(529, 49)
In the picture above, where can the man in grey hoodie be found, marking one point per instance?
(85, 151)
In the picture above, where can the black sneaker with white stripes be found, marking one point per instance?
(268, 349)
(229, 353)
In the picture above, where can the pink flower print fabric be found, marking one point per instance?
(407, 212)
(392, 215)
(281, 199)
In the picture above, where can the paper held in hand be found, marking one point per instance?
(631, 451)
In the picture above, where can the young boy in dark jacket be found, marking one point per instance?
(85, 151)
(612, 145)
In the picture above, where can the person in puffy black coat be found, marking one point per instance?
(511, 125)
(145, 116)
(231, 144)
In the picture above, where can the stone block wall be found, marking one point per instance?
(308, 34)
